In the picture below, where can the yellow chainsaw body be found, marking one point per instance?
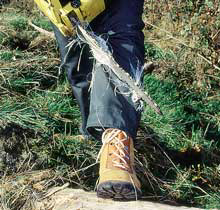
(60, 15)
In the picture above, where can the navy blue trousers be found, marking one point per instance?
(106, 105)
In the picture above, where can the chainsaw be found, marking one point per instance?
(66, 13)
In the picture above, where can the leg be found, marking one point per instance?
(115, 110)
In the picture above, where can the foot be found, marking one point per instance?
(118, 179)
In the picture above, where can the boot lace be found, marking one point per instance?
(122, 157)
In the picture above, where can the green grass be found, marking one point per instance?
(178, 153)
(6, 56)
(19, 24)
(42, 22)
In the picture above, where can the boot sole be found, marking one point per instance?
(122, 191)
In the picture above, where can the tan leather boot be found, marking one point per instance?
(118, 179)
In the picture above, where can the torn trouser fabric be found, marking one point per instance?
(107, 104)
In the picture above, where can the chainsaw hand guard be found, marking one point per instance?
(65, 13)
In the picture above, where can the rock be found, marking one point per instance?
(77, 199)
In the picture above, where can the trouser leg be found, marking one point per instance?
(111, 104)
